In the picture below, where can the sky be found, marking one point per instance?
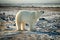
(29, 1)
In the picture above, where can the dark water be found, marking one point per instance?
(49, 33)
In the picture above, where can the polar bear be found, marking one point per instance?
(24, 17)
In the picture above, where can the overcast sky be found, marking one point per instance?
(29, 1)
